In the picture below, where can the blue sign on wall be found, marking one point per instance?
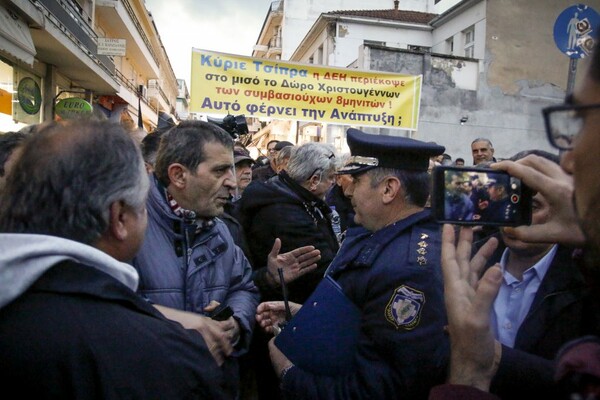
(576, 30)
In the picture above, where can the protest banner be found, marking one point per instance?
(231, 84)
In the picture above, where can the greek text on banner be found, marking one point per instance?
(231, 84)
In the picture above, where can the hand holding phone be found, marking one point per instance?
(221, 313)
(477, 196)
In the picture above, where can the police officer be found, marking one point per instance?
(389, 268)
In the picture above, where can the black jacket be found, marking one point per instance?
(281, 208)
(563, 309)
(263, 174)
(77, 333)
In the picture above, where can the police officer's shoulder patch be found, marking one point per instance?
(404, 308)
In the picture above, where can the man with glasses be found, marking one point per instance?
(573, 194)
(262, 174)
(389, 273)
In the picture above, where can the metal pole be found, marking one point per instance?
(571, 77)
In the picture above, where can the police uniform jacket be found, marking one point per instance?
(393, 276)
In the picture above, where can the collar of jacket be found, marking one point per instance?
(364, 247)
(306, 196)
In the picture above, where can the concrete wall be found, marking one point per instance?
(511, 122)
(350, 36)
(522, 56)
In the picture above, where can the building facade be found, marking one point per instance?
(56, 49)
(488, 67)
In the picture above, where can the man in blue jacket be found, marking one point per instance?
(189, 263)
(389, 268)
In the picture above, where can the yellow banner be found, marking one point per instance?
(231, 84)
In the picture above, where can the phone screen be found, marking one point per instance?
(473, 196)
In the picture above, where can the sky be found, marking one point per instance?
(228, 26)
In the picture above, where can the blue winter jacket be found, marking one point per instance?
(184, 269)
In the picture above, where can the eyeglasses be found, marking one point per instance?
(564, 123)
(320, 170)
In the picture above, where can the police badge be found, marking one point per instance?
(404, 308)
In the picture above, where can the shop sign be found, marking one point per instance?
(72, 108)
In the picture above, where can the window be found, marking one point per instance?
(469, 36)
(319, 56)
(450, 46)
(419, 48)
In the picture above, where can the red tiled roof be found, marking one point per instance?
(394, 15)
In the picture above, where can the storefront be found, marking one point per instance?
(20, 97)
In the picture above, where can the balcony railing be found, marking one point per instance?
(73, 23)
(124, 81)
(154, 88)
(140, 30)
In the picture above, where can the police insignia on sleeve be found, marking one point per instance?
(404, 308)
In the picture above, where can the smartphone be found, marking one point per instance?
(221, 313)
(477, 196)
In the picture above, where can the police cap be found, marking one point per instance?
(377, 151)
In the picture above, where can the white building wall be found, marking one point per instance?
(454, 28)
(300, 15)
(442, 6)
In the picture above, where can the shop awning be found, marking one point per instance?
(15, 38)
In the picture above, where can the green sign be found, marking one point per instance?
(73, 107)
(29, 96)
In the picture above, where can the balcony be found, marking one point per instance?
(67, 41)
(157, 96)
(274, 48)
(267, 42)
(128, 91)
(120, 20)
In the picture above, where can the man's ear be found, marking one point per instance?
(314, 182)
(177, 175)
(117, 220)
(391, 189)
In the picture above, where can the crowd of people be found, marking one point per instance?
(167, 267)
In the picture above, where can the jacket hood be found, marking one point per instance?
(26, 257)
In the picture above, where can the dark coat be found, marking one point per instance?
(563, 309)
(563, 306)
(280, 208)
(231, 217)
(263, 174)
(77, 333)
